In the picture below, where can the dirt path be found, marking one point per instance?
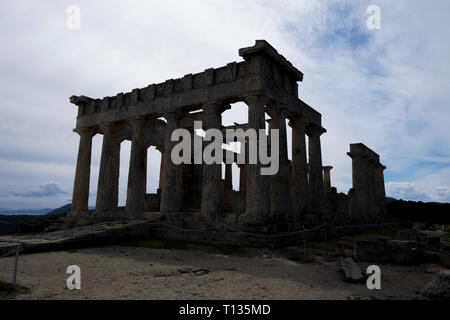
(119, 272)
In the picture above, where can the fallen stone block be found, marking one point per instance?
(430, 243)
(366, 250)
(404, 252)
(433, 243)
(438, 289)
(351, 270)
(445, 259)
(431, 257)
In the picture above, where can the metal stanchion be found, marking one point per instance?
(16, 262)
(304, 242)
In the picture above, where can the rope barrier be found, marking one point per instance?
(287, 234)
(186, 229)
(270, 235)
(274, 235)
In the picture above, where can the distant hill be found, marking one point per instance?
(61, 210)
(428, 212)
(389, 200)
(9, 220)
(6, 211)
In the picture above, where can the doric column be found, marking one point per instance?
(378, 198)
(300, 187)
(257, 196)
(371, 173)
(137, 173)
(360, 184)
(228, 176)
(316, 195)
(108, 180)
(243, 167)
(161, 167)
(280, 195)
(80, 197)
(327, 178)
(212, 173)
(242, 177)
(172, 179)
(381, 189)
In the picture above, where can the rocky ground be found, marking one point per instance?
(158, 270)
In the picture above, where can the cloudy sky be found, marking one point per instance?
(387, 88)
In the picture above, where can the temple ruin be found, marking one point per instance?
(300, 194)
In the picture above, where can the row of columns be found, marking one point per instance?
(108, 179)
(295, 189)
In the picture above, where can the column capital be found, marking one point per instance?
(137, 121)
(327, 168)
(88, 131)
(174, 116)
(369, 160)
(215, 106)
(276, 111)
(353, 155)
(315, 131)
(109, 127)
(256, 100)
(298, 121)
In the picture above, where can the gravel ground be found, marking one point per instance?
(122, 272)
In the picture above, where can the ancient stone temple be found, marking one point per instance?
(301, 191)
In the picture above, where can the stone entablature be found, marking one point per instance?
(264, 71)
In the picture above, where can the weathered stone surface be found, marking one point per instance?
(438, 289)
(351, 270)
